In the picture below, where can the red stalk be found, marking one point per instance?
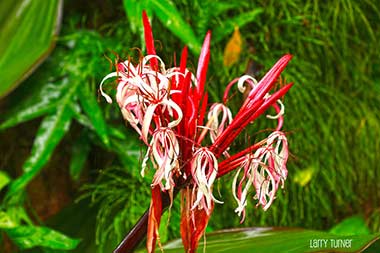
(155, 212)
(149, 40)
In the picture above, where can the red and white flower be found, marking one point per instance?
(168, 109)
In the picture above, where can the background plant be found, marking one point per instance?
(331, 115)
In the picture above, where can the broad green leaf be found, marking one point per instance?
(28, 29)
(91, 108)
(227, 26)
(4, 179)
(45, 101)
(271, 240)
(79, 154)
(26, 237)
(354, 225)
(168, 14)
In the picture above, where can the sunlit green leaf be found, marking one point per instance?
(4, 179)
(168, 14)
(26, 237)
(91, 108)
(27, 32)
(303, 177)
(270, 240)
(134, 9)
(6, 221)
(354, 225)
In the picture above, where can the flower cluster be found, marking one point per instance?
(188, 147)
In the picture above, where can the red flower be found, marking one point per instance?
(167, 108)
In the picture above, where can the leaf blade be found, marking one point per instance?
(28, 29)
(91, 108)
(168, 14)
(27, 237)
(49, 134)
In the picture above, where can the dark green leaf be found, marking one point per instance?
(354, 225)
(227, 27)
(38, 104)
(79, 154)
(27, 36)
(91, 108)
(270, 240)
(26, 237)
(168, 14)
(50, 132)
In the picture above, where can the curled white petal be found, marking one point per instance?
(280, 113)
(242, 81)
(108, 98)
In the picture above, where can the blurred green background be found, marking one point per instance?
(68, 163)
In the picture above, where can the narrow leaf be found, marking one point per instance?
(27, 237)
(91, 108)
(228, 25)
(133, 9)
(168, 14)
(50, 132)
(79, 154)
(36, 105)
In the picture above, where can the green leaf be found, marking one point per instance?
(303, 177)
(168, 14)
(45, 101)
(6, 221)
(227, 27)
(28, 29)
(354, 225)
(79, 154)
(134, 9)
(91, 108)
(50, 132)
(26, 237)
(271, 240)
(4, 179)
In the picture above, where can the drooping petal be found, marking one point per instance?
(204, 168)
(193, 222)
